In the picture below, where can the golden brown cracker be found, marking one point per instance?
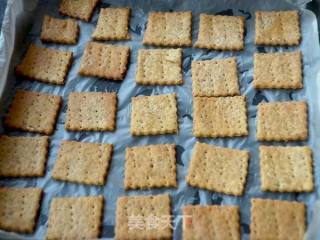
(81, 9)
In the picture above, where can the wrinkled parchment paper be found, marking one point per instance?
(21, 26)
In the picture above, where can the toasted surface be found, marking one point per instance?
(159, 67)
(275, 219)
(221, 32)
(75, 218)
(33, 112)
(211, 222)
(282, 121)
(154, 115)
(168, 29)
(91, 111)
(19, 208)
(81, 9)
(277, 28)
(23, 156)
(46, 65)
(151, 166)
(218, 169)
(142, 209)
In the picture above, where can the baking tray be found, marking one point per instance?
(21, 26)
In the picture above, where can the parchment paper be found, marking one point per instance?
(17, 34)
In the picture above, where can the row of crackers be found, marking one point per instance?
(148, 217)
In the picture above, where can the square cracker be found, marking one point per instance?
(81, 9)
(150, 167)
(218, 169)
(275, 219)
(220, 116)
(46, 65)
(33, 112)
(286, 169)
(83, 162)
(143, 210)
(75, 218)
(91, 111)
(105, 61)
(23, 156)
(168, 29)
(211, 222)
(113, 24)
(282, 121)
(19, 208)
(277, 28)
(57, 30)
(154, 115)
(278, 70)
(215, 78)
(221, 32)
(159, 67)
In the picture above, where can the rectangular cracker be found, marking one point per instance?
(19, 208)
(105, 61)
(33, 112)
(286, 169)
(154, 115)
(143, 217)
(168, 29)
(23, 156)
(159, 67)
(151, 166)
(278, 70)
(91, 111)
(221, 32)
(46, 65)
(113, 24)
(218, 169)
(277, 28)
(81, 9)
(83, 162)
(275, 219)
(75, 218)
(220, 116)
(282, 121)
(215, 78)
(65, 31)
(211, 222)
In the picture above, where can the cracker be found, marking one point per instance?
(45, 65)
(81, 9)
(159, 67)
(218, 169)
(220, 116)
(113, 24)
(154, 115)
(150, 166)
(23, 156)
(278, 70)
(211, 222)
(83, 162)
(282, 121)
(168, 29)
(215, 78)
(143, 217)
(33, 112)
(65, 31)
(19, 208)
(275, 219)
(221, 32)
(75, 218)
(104, 61)
(286, 169)
(91, 111)
(277, 28)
